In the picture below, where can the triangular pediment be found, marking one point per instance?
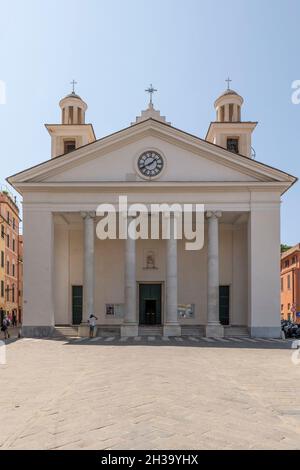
(113, 159)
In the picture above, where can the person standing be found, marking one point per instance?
(92, 323)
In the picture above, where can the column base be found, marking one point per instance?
(172, 330)
(37, 331)
(84, 330)
(129, 330)
(214, 330)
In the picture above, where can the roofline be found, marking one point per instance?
(163, 124)
(290, 251)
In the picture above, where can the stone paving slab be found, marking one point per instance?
(128, 394)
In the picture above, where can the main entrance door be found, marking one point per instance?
(150, 304)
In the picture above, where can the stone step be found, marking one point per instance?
(63, 331)
(236, 331)
(150, 330)
(190, 330)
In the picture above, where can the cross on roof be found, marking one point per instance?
(228, 83)
(73, 83)
(150, 90)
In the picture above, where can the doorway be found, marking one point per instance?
(150, 304)
(224, 304)
(76, 305)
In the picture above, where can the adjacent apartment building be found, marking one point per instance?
(10, 260)
(290, 284)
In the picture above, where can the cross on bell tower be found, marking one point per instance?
(228, 80)
(73, 83)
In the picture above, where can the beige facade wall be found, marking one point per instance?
(264, 249)
(38, 268)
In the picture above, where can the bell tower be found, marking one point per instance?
(73, 132)
(228, 130)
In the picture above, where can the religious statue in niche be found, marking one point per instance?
(150, 257)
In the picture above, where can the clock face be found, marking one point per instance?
(150, 164)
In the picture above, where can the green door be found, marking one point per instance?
(150, 304)
(224, 305)
(76, 305)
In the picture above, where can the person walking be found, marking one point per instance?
(4, 327)
(92, 324)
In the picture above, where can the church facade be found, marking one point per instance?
(230, 285)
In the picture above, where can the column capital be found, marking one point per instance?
(213, 214)
(88, 214)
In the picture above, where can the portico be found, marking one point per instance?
(131, 319)
(231, 282)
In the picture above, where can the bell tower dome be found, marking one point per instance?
(228, 107)
(228, 130)
(73, 132)
(73, 109)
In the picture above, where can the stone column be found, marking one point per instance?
(130, 325)
(213, 327)
(88, 265)
(171, 325)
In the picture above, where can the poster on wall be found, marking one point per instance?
(110, 310)
(114, 310)
(186, 310)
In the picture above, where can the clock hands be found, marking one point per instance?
(147, 164)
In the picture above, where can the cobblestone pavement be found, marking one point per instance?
(149, 393)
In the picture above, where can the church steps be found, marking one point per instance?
(236, 331)
(65, 331)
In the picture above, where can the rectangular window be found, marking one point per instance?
(13, 270)
(281, 307)
(286, 263)
(8, 217)
(69, 145)
(230, 112)
(289, 306)
(13, 293)
(293, 259)
(289, 281)
(282, 283)
(7, 240)
(7, 293)
(14, 223)
(2, 288)
(2, 259)
(7, 267)
(2, 231)
(233, 145)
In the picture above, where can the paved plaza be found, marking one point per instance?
(149, 393)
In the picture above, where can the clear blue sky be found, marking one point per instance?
(186, 48)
